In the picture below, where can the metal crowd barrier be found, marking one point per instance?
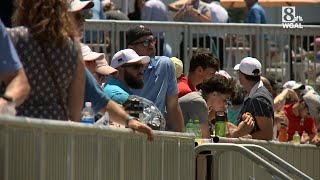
(220, 148)
(271, 44)
(34, 149)
(303, 159)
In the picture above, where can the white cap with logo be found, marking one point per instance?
(249, 66)
(128, 56)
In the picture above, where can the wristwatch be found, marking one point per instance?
(6, 97)
(129, 118)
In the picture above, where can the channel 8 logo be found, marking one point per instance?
(288, 14)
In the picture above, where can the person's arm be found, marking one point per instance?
(280, 100)
(11, 71)
(118, 115)
(175, 113)
(244, 128)
(315, 140)
(266, 128)
(76, 90)
(311, 130)
(202, 17)
(178, 16)
(279, 117)
(18, 87)
(205, 130)
(205, 17)
(307, 139)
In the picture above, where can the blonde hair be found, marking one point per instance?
(48, 21)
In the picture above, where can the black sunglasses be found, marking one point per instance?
(134, 66)
(147, 42)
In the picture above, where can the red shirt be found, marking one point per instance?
(295, 123)
(185, 87)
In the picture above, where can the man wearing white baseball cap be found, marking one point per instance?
(130, 67)
(258, 102)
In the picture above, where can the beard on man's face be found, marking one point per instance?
(132, 81)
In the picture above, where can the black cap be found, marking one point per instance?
(136, 33)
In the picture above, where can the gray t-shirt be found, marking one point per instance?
(201, 7)
(193, 107)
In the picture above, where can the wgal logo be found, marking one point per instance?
(289, 18)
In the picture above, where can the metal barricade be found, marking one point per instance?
(218, 149)
(32, 149)
(303, 160)
(271, 44)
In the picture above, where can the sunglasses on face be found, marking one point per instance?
(134, 66)
(147, 42)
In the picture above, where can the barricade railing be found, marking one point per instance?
(299, 161)
(274, 158)
(47, 149)
(34, 149)
(271, 44)
(220, 148)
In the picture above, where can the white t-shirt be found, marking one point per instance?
(218, 13)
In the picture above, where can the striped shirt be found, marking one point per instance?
(258, 102)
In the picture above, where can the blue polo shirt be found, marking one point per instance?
(9, 60)
(159, 82)
(94, 93)
(257, 14)
(117, 90)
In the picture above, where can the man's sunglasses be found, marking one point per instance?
(147, 42)
(134, 66)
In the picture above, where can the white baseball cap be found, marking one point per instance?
(293, 85)
(312, 99)
(307, 89)
(249, 66)
(77, 5)
(128, 56)
(224, 73)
